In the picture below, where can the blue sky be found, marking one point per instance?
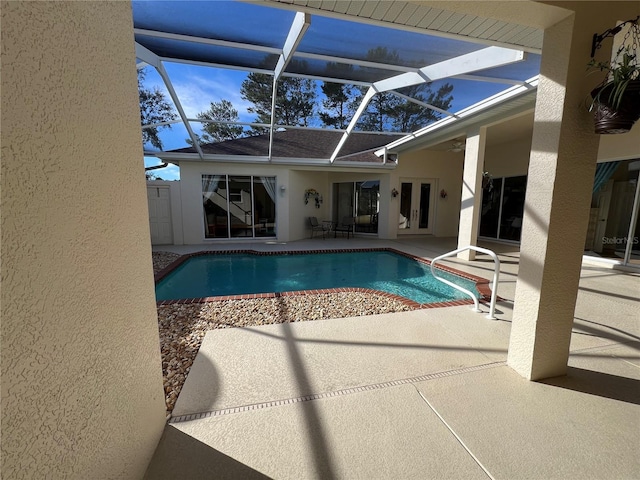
(198, 86)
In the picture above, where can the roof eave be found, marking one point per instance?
(176, 158)
(513, 100)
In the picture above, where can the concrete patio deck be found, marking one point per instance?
(423, 394)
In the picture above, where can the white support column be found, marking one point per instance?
(561, 170)
(471, 192)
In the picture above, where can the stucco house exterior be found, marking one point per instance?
(423, 169)
(82, 392)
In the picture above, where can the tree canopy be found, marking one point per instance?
(386, 111)
(154, 108)
(296, 98)
(339, 105)
(297, 103)
(222, 111)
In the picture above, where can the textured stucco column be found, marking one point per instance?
(562, 165)
(471, 191)
(82, 394)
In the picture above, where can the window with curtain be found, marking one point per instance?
(239, 206)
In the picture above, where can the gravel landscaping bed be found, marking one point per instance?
(183, 326)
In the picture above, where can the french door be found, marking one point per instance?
(417, 202)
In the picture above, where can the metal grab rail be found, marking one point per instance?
(496, 276)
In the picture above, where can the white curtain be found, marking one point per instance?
(210, 185)
(270, 186)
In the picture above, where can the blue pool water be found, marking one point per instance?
(235, 274)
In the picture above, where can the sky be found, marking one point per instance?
(198, 86)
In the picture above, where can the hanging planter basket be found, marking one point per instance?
(611, 120)
(616, 101)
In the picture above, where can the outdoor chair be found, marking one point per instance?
(318, 227)
(345, 227)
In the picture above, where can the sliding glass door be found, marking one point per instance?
(614, 225)
(237, 206)
(360, 200)
(503, 207)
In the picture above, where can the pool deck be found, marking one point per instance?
(421, 394)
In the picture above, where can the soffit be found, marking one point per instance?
(496, 23)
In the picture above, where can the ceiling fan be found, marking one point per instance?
(457, 146)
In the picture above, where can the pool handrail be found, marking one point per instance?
(496, 276)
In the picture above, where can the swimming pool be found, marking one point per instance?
(245, 273)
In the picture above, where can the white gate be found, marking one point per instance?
(160, 215)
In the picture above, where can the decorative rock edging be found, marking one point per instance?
(183, 323)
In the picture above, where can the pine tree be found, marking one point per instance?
(341, 100)
(222, 111)
(295, 100)
(154, 108)
(407, 116)
(388, 112)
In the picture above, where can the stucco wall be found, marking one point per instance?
(82, 389)
(446, 168)
(301, 180)
(620, 147)
(508, 159)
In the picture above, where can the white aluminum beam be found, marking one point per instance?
(176, 158)
(272, 50)
(423, 104)
(480, 78)
(160, 124)
(216, 65)
(353, 61)
(207, 41)
(328, 79)
(147, 56)
(274, 91)
(483, 105)
(298, 28)
(152, 59)
(365, 101)
(165, 76)
(479, 60)
(471, 62)
(300, 25)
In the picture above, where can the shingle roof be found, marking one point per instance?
(297, 143)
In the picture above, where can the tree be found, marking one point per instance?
(221, 111)
(387, 111)
(339, 104)
(152, 176)
(408, 116)
(295, 99)
(341, 100)
(379, 112)
(154, 108)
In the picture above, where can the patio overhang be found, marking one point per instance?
(509, 103)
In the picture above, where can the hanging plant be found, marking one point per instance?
(487, 181)
(312, 193)
(616, 101)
